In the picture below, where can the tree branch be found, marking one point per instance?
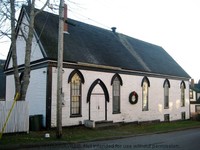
(42, 8)
(23, 34)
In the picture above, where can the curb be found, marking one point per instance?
(33, 145)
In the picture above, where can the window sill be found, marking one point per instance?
(75, 116)
(116, 113)
(145, 110)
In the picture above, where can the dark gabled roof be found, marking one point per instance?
(90, 44)
(196, 87)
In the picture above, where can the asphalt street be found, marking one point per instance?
(178, 140)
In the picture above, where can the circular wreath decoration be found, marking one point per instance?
(133, 97)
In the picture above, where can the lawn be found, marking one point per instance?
(81, 133)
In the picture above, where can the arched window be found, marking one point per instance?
(116, 82)
(76, 79)
(145, 92)
(166, 87)
(182, 86)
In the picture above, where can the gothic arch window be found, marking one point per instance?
(76, 71)
(145, 93)
(116, 82)
(76, 80)
(166, 87)
(182, 86)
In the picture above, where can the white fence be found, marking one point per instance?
(19, 118)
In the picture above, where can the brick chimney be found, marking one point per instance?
(65, 19)
(192, 82)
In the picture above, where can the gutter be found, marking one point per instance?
(103, 68)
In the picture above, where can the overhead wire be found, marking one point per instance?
(37, 40)
(90, 19)
(77, 14)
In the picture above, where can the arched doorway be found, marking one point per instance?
(97, 98)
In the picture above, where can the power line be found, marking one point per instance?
(37, 41)
(90, 19)
(76, 9)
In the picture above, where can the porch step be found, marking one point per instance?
(102, 124)
(99, 124)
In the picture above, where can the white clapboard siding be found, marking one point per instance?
(19, 118)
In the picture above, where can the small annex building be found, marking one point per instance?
(195, 99)
(107, 76)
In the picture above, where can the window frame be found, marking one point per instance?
(81, 81)
(197, 96)
(116, 96)
(75, 97)
(183, 116)
(182, 87)
(116, 83)
(145, 95)
(166, 87)
(166, 117)
(191, 94)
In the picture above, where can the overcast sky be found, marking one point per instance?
(172, 24)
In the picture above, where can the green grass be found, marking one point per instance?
(81, 133)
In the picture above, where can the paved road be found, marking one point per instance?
(179, 140)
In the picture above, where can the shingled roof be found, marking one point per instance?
(93, 45)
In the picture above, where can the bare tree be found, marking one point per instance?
(8, 12)
(13, 47)
(29, 39)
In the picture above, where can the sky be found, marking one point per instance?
(171, 24)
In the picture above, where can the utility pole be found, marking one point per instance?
(60, 68)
